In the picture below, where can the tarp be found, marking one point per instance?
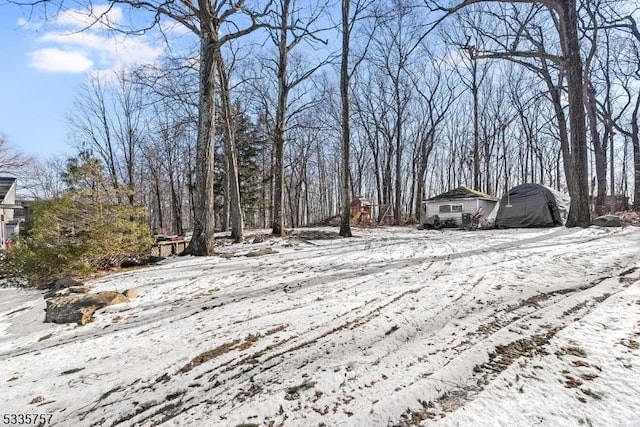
(532, 205)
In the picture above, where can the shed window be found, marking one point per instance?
(450, 208)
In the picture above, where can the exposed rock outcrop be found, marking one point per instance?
(79, 308)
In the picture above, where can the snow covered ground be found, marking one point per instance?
(395, 326)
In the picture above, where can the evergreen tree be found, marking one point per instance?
(249, 146)
(84, 230)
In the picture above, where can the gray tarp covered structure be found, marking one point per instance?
(532, 205)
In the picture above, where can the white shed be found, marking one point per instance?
(451, 205)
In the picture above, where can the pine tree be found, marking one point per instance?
(249, 146)
(86, 229)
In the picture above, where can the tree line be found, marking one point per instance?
(283, 110)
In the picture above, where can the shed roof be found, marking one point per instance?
(463, 192)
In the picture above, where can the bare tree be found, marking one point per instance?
(11, 160)
(292, 25)
(171, 93)
(352, 11)
(214, 22)
(629, 71)
(631, 129)
(165, 155)
(41, 179)
(393, 59)
(231, 155)
(590, 28)
(473, 71)
(373, 115)
(93, 127)
(437, 94)
(345, 195)
(565, 16)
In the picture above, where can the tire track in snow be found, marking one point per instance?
(187, 306)
(114, 397)
(437, 270)
(442, 270)
(446, 266)
(540, 321)
(256, 361)
(352, 322)
(538, 239)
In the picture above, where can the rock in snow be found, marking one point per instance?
(131, 293)
(80, 308)
(608, 221)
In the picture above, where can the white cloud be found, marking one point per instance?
(100, 49)
(132, 51)
(29, 24)
(85, 39)
(99, 16)
(59, 61)
(110, 51)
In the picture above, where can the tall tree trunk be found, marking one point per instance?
(203, 239)
(262, 208)
(177, 214)
(599, 149)
(278, 172)
(419, 194)
(225, 214)
(191, 187)
(176, 206)
(159, 204)
(476, 127)
(345, 226)
(386, 183)
(487, 166)
(426, 146)
(565, 145)
(397, 211)
(579, 191)
(612, 175)
(635, 140)
(280, 127)
(590, 104)
(237, 220)
(377, 172)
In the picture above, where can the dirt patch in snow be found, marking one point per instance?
(315, 235)
(499, 360)
(209, 355)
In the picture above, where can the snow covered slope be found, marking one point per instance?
(393, 327)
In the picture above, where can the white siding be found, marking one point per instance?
(6, 215)
(9, 199)
(468, 206)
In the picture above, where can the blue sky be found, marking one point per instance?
(43, 67)
(33, 102)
